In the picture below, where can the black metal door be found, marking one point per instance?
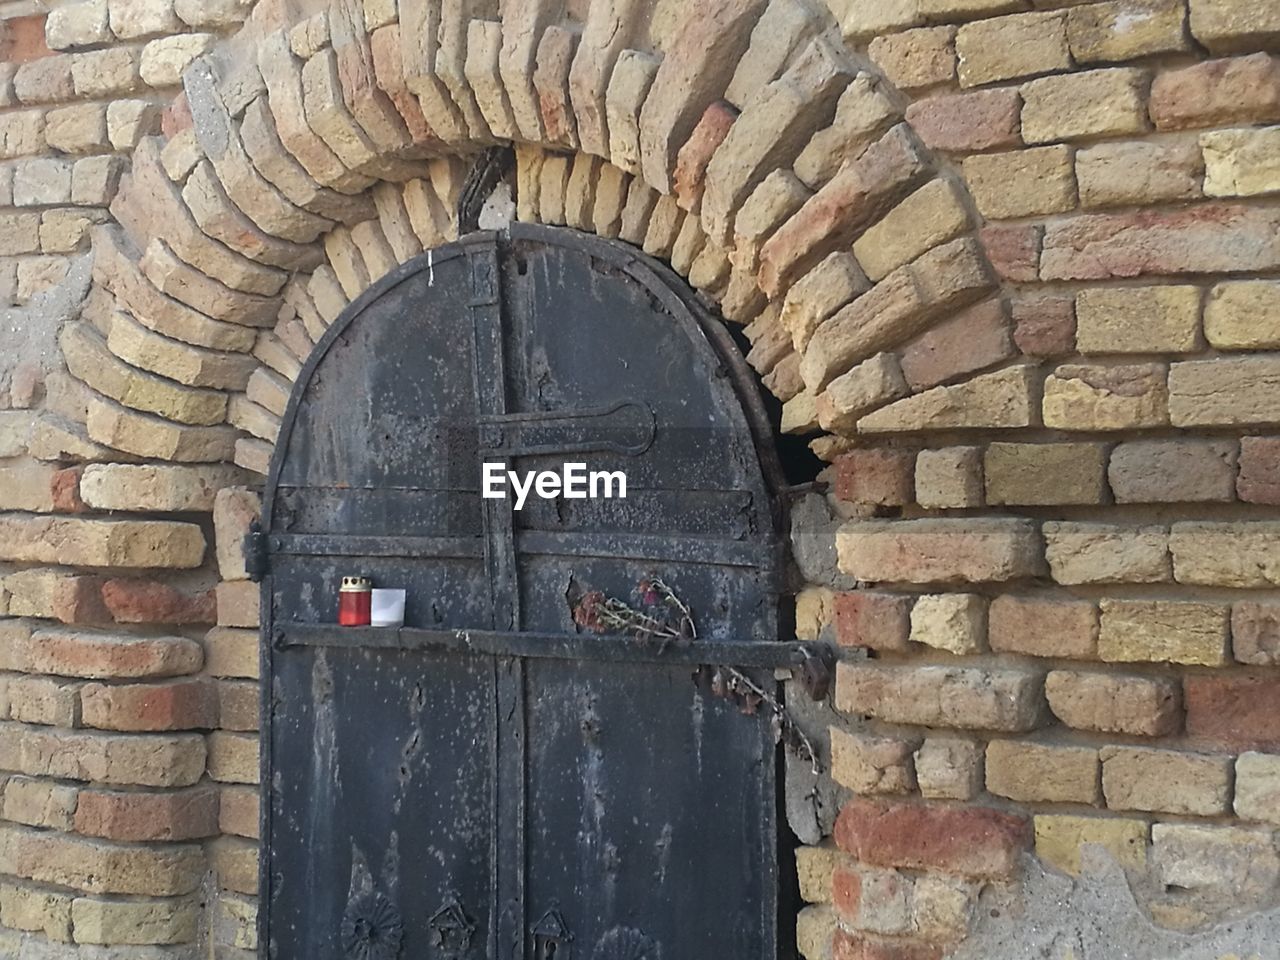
(506, 777)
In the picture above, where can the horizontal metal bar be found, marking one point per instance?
(639, 546)
(548, 646)
(335, 545)
(626, 546)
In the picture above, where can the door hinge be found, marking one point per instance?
(255, 552)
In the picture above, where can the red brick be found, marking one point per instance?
(388, 68)
(879, 621)
(22, 39)
(964, 122)
(1259, 479)
(881, 477)
(1014, 252)
(1218, 93)
(1044, 326)
(1236, 712)
(65, 488)
(136, 816)
(973, 339)
(135, 707)
(846, 891)
(1207, 238)
(857, 946)
(146, 601)
(100, 655)
(176, 117)
(691, 162)
(973, 841)
(1040, 626)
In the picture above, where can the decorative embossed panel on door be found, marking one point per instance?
(514, 773)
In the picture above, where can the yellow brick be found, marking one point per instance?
(1092, 104)
(1059, 838)
(1005, 48)
(1163, 319)
(1154, 631)
(1243, 315)
(1022, 183)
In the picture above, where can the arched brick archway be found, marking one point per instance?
(312, 171)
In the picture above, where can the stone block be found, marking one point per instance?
(966, 698)
(1059, 838)
(1034, 772)
(954, 622)
(1043, 626)
(1014, 46)
(948, 768)
(1173, 471)
(1172, 631)
(869, 764)
(1094, 103)
(1243, 315)
(1112, 703)
(1217, 92)
(1163, 319)
(1026, 474)
(1235, 864)
(1165, 781)
(1139, 173)
(949, 478)
(966, 122)
(1081, 553)
(1097, 397)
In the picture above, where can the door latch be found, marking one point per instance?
(255, 552)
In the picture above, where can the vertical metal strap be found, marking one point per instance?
(508, 750)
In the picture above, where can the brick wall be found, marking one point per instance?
(1011, 265)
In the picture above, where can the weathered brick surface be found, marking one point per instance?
(1173, 471)
(928, 551)
(1039, 772)
(1239, 90)
(960, 697)
(1043, 626)
(175, 705)
(173, 815)
(973, 842)
(1255, 632)
(969, 121)
(1236, 712)
(1106, 553)
(1060, 836)
(1226, 554)
(1177, 631)
(868, 764)
(1044, 473)
(1207, 238)
(1111, 703)
(878, 476)
(1165, 781)
(1097, 397)
(93, 654)
(948, 768)
(867, 618)
(1239, 865)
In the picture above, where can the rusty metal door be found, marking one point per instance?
(504, 777)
